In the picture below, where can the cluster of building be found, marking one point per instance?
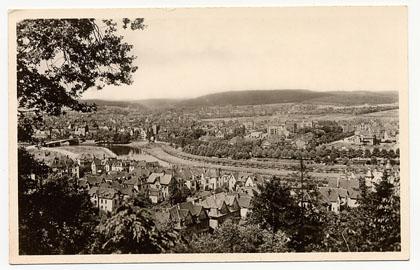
(345, 191)
(216, 195)
(372, 133)
(86, 131)
(365, 132)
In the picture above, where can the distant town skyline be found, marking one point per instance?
(186, 53)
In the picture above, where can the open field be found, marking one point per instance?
(388, 114)
(97, 151)
(48, 154)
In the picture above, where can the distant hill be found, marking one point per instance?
(255, 97)
(357, 98)
(122, 104)
(144, 104)
(258, 97)
(158, 103)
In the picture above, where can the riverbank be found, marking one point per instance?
(168, 156)
(75, 151)
(158, 152)
(133, 144)
(97, 151)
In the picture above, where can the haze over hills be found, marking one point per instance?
(255, 97)
(259, 97)
(145, 104)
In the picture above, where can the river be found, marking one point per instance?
(134, 153)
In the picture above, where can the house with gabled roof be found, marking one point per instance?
(372, 178)
(127, 192)
(93, 194)
(132, 183)
(231, 201)
(189, 217)
(159, 186)
(221, 207)
(249, 182)
(108, 164)
(210, 179)
(65, 166)
(220, 134)
(94, 180)
(245, 205)
(97, 166)
(85, 161)
(229, 180)
(354, 197)
(349, 182)
(216, 209)
(109, 199)
(334, 198)
(153, 179)
(106, 199)
(249, 191)
(141, 172)
(165, 181)
(186, 176)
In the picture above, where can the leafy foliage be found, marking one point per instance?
(372, 226)
(59, 59)
(131, 230)
(274, 207)
(178, 193)
(231, 237)
(54, 218)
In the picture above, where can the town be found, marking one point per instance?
(239, 156)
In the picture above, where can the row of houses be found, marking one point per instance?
(200, 179)
(369, 136)
(210, 211)
(86, 131)
(106, 165)
(345, 191)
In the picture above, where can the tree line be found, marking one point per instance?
(247, 150)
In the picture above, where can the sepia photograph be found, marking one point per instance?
(208, 134)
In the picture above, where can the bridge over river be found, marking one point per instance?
(63, 142)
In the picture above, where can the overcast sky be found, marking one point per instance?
(192, 52)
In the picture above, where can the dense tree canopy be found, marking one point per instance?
(231, 237)
(178, 193)
(54, 218)
(275, 208)
(372, 226)
(132, 230)
(59, 59)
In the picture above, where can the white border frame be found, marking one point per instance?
(413, 40)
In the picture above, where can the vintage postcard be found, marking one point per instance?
(208, 134)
